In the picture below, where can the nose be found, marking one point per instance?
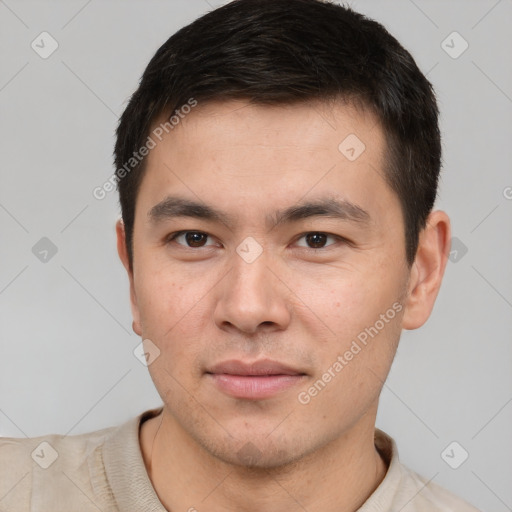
(252, 297)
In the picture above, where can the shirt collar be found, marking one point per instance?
(133, 491)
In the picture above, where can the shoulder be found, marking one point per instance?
(405, 490)
(427, 496)
(44, 451)
(41, 467)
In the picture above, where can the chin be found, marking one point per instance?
(258, 453)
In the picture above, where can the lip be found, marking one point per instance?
(255, 380)
(255, 368)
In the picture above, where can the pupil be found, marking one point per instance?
(190, 238)
(316, 239)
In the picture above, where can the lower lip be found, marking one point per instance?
(254, 386)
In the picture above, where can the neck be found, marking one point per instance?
(341, 475)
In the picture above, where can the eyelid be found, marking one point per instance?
(172, 237)
(337, 238)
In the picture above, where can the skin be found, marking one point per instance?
(301, 306)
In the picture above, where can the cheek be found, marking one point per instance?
(353, 311)
(173, 310)
(354, 365)
(342, 304)
(165, 295)
(157, 299)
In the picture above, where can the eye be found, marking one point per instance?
(190, 239)
(317, 239)
(314, 240)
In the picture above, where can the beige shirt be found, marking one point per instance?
(104, 471)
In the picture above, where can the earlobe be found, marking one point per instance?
(427, 270)
(123, 256)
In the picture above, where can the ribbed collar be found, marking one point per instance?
(125, 470)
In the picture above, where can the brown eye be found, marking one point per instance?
(192, 239)
(316, 240)
(195, 239)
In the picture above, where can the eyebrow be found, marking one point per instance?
(340, 209)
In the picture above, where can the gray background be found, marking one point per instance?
(67, 363)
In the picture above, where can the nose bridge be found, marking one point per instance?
(252, 294)
(250, 271)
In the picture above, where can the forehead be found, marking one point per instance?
(301, 123)
(239, 154)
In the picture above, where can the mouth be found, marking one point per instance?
(256, 380)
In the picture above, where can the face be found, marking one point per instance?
(276, 305)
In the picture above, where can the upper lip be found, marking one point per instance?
(262, 367)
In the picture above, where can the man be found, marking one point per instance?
(277, 170)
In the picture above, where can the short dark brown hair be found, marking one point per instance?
(283, 52)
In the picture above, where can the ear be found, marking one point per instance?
(427, 270)
(123, 255)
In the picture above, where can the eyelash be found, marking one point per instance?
(171, 238)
